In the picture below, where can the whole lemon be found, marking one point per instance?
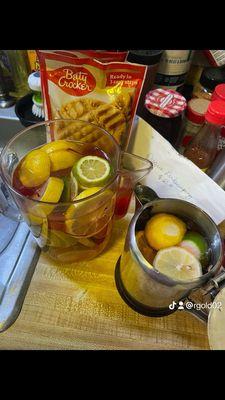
(35, 168)
(164, 230)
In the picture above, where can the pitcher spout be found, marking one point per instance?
(135, 166)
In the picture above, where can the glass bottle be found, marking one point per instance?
(20, 71)
(203, 147)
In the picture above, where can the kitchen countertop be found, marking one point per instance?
(78, 307)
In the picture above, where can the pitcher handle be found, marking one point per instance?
(7, 204)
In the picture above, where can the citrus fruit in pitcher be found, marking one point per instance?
(50, 192)
(177, 263)
(91, 171)
(62, 159)
(164, 230)
(91, 215)
(34, 168)
(59, 145)
(196, 244)
(144, 247)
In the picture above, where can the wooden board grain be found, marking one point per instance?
(78, 307)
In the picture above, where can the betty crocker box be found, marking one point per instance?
(105, 94)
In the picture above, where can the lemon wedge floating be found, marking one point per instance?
(84, 216)
(62, 159)
(73, 187)
(34, 169)
(51, 194)
(72, 211)
(53, 190)
(59, 239)
(164, 230)
(177, 263)
(92, 171)
(59, 145)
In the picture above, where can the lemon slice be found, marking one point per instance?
(34, 169)
(51, 193)
(92, 171)
(178, 264)
(89, 216)
(59, 239)
(72, 211)
(53, 190)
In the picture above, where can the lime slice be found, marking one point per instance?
(177, 263)
(92, 171)
(196, 244)
(73, 187)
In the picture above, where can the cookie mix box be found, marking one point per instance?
(105, 94)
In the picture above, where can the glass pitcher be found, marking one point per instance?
(142, 287)
(78, 230)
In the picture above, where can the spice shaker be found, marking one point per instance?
(165, 110)
(193, 121)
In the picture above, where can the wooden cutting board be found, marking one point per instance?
(78, 307)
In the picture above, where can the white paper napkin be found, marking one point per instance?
(173, 175)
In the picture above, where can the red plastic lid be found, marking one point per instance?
(196, 109)
(216, 112)
(219, 92)
(165, 103)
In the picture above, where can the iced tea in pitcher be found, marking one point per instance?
(70, 191)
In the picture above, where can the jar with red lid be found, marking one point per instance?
(193, 121)
(165, 112)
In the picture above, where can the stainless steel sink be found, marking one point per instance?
(18, 250)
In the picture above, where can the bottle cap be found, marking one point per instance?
(196, 109)
(219, 92)
(165, 103)
(146, 57)
(216, 112)
(211, 77)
